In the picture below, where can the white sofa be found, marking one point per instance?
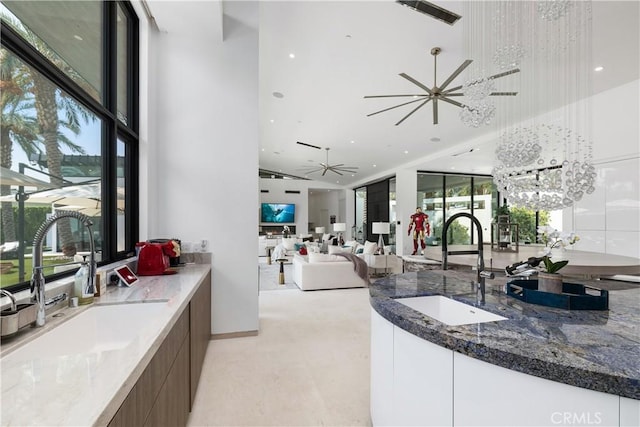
(324, 272)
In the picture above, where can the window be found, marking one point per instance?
(69, 141)
(443, 195)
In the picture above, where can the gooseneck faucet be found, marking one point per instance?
(481, 274)
(37, 278)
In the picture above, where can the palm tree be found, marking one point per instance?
(48, 100)
(17, 126)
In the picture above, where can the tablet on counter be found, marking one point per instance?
(127, 276)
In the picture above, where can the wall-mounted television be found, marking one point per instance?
(278, 213)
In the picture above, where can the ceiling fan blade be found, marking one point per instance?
(503, 93)
(412, 111)
(336, 166)
(452, 94)
(506, 73)
(396, 106)
(324, 171)
(435, 111)
(415, 82)
(451, 101)
(308, 145)
(460, 69)
(335, 171)
(448, 91)
(393, 96)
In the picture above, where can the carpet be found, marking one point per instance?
(269, 276)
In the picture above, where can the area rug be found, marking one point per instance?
(269, 276)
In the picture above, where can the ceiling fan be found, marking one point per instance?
(325, 167)
(439, 93)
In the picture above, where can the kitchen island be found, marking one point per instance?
(541, 366)
(133, 357)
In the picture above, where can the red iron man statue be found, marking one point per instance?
(421, 228)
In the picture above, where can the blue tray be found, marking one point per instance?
(573, 297)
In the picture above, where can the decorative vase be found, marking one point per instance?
(550, 282)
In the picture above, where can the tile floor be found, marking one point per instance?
(308, 366)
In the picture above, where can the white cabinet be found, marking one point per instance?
(422, 381)
(416, 382)
(381, 370)
(486, 394)
(629, 412)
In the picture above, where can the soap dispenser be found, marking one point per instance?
(82, 285)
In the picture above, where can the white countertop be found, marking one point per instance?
(87, 388)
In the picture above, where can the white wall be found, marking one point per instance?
(314, 196)
(608, 220)
(203, 157)
(406, 194)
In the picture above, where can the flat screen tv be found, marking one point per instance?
(278, 213)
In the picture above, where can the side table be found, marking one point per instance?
(281, 275)
(269, 249)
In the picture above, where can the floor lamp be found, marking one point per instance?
(380, 228)
(339, 227)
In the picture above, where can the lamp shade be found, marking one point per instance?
(320, 230)
(340, 226)
(380, 227)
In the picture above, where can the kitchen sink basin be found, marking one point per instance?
(98, 329)
(449, 311)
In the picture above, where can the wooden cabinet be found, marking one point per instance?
(164, 393)
(200, 326)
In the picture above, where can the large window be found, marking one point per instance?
(441, 196)
(69, 131)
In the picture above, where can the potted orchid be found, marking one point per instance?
(550, 280)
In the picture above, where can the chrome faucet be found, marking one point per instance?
(481, 274)
(37, 278)
(9, 295)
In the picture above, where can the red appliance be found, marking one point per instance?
(151, 259)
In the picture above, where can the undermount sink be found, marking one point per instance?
(449, 311)
(97, 329)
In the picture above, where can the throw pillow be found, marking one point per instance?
(338, 249)
(303, 250)
(316, 258)
(288, 243)
(298, 246)
(370, 247)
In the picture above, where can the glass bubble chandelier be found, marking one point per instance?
(543, 156)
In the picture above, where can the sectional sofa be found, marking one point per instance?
(324, 271)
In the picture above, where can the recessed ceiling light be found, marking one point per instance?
(435, 139)
(375, 166)
(406, 152)
(278, 95)
(352, 175)
(353, 142)
(263, 149)
(599, 68)
(453, 167)
(292, 55)
(77, 37)
(337, 182)
(272, 120)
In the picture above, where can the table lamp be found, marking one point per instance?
(320, 231)
(380, 228)
(339, 227)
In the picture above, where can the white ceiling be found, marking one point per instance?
(345, 50)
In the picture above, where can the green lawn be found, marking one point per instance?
(11, 277)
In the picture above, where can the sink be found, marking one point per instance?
(98, 329)
(449, 311)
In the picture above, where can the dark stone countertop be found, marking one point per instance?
(597, 350)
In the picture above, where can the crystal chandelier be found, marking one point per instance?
(543, 158)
